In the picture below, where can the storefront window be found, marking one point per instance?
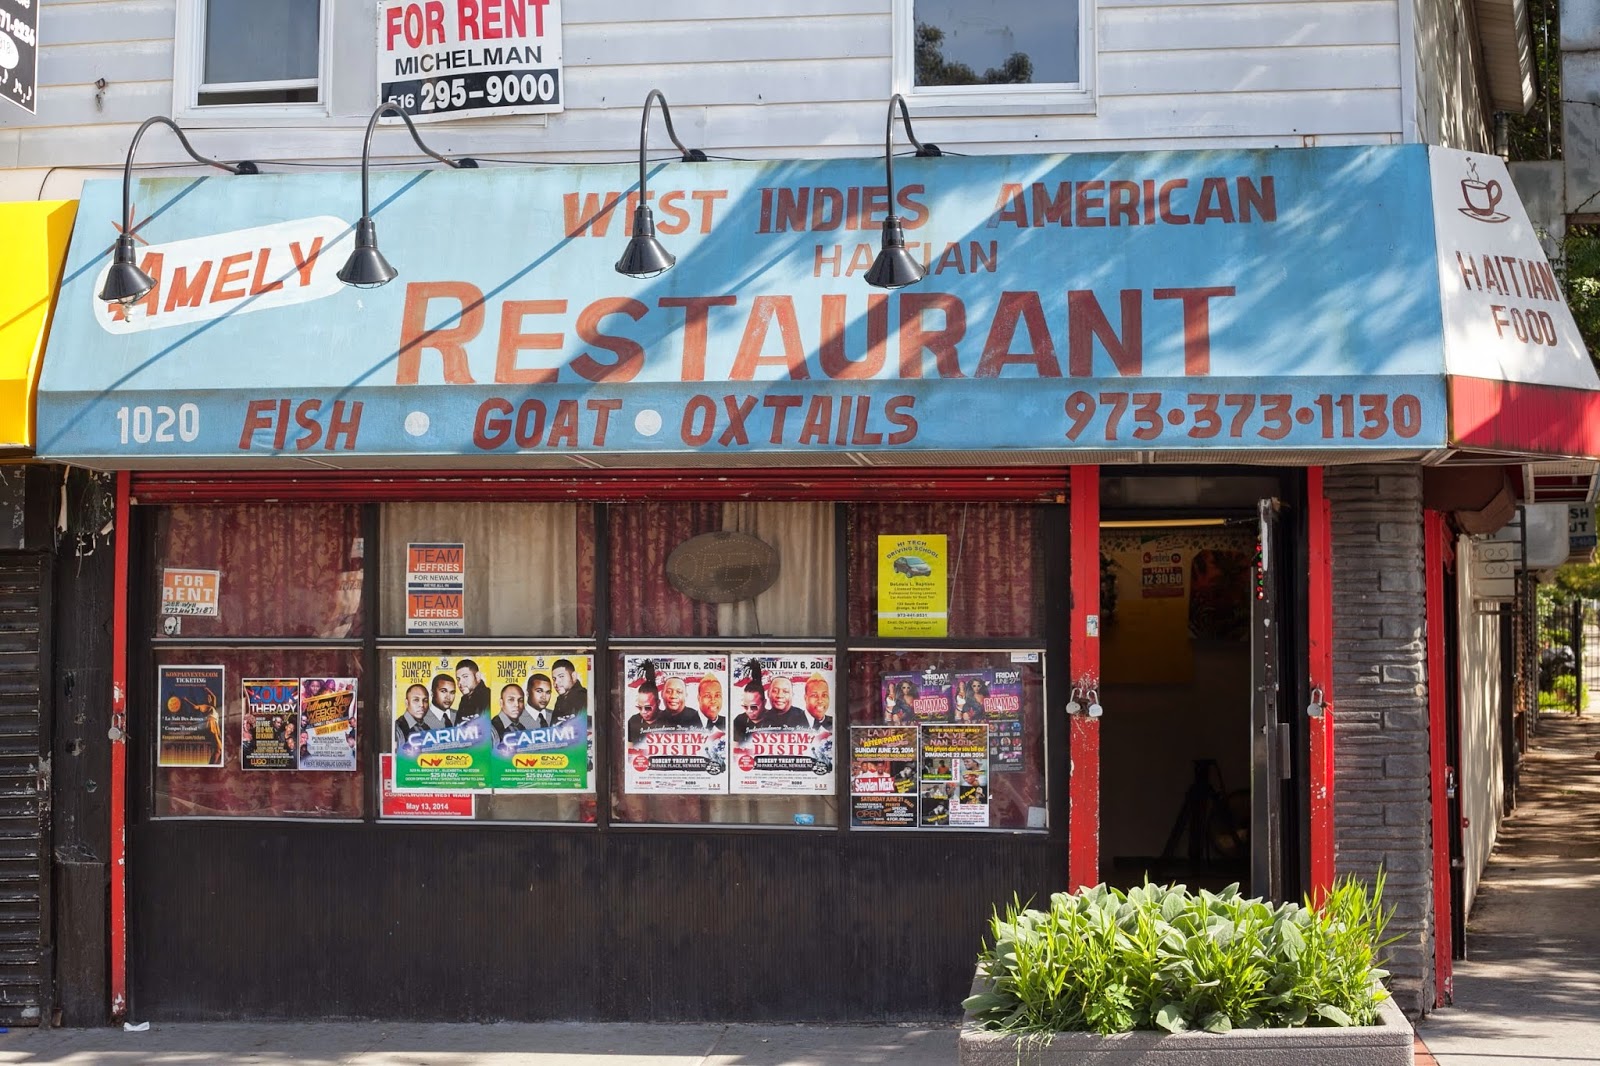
(257, 732)
(775, 578)
(947, 740)
(258, 571)
(989, 557)
(488, 734)
(524, 569)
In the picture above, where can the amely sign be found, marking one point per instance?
(1162, 301)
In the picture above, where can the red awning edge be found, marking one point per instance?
(1514, 416)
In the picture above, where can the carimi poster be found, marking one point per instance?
(189, 718)
(540, 720)
(675, 733)
(783, 731)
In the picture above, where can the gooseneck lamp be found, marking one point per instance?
(895, 267)
(125, 282)
(367, 268)
(644, 257)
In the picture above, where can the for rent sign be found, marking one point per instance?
(441, 59)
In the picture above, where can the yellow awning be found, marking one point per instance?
(33, 247)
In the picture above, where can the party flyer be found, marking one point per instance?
(328, 723)
(1003, 709)
(271, 718)
(910, 699)
(676, 724)
(781, 746)
(442, 731)
(883, 776)
(955, 775)
(189, 720)
(540, 721)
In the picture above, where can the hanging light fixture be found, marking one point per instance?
(125, 282)
(644, 257)
(895, 267)
(367, 268)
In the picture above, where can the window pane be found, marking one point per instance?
(260, 40)
(497, 685)
(230, 789)
(258, 570)
(529, 567)
(994, 564)
(996, 42)
(919, 690)
(688, 683)
(786, 552)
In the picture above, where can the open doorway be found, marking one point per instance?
(1182, 681)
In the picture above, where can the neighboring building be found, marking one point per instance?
(1225, 314)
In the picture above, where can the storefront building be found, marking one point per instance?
(725, 645)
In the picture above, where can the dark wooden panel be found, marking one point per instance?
(275, 920)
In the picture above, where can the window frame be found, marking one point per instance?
(1057, 98)
(189, 47)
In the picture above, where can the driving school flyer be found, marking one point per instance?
(442, 734)
(883, 776)
(783, 734)
(271, 716)
(676, 724)
(541, 735)
(955, 775)
(189, 722)
(328, 723)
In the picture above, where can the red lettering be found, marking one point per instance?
(629, 354)
(1196, 324)
(1087, 322)
(762, 313)
(451, 344)
(227, 275)
(513, 340)
(914, 339)
(696, 314)
(997, 354)
(257, 415)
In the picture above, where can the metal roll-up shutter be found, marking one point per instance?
(25, 977)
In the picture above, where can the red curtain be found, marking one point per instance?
(643, 602)
(285, 570)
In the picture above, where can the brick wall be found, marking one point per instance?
(1381, 808)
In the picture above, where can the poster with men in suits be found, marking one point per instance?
(783, 732)
(675, 733)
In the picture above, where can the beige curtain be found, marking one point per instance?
(522, 563)
(800, 603)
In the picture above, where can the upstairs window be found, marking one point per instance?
(251, 53)
(993, 51)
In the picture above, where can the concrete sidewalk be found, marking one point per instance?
(1529, 989)
(559, 1044)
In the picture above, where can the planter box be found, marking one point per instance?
(1389, 1043)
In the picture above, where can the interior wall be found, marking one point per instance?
(1150, 736)
(1481, 776)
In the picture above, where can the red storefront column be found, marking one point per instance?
(1083, 660)
(1319, 624)
(119, 754)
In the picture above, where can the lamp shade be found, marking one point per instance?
(125, 282)
(644, 257)
(895, 267)
(367, 268)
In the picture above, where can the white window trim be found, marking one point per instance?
(1053, 99)
(188, 52)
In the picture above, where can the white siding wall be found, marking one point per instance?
(797, 79)
(1450, 89)
(1481, 780)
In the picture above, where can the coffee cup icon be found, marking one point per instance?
(1482, 197)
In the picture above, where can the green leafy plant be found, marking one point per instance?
(1161, 957)
(1564, 694)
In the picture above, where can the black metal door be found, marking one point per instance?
(1271, 753)
(25, 952)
